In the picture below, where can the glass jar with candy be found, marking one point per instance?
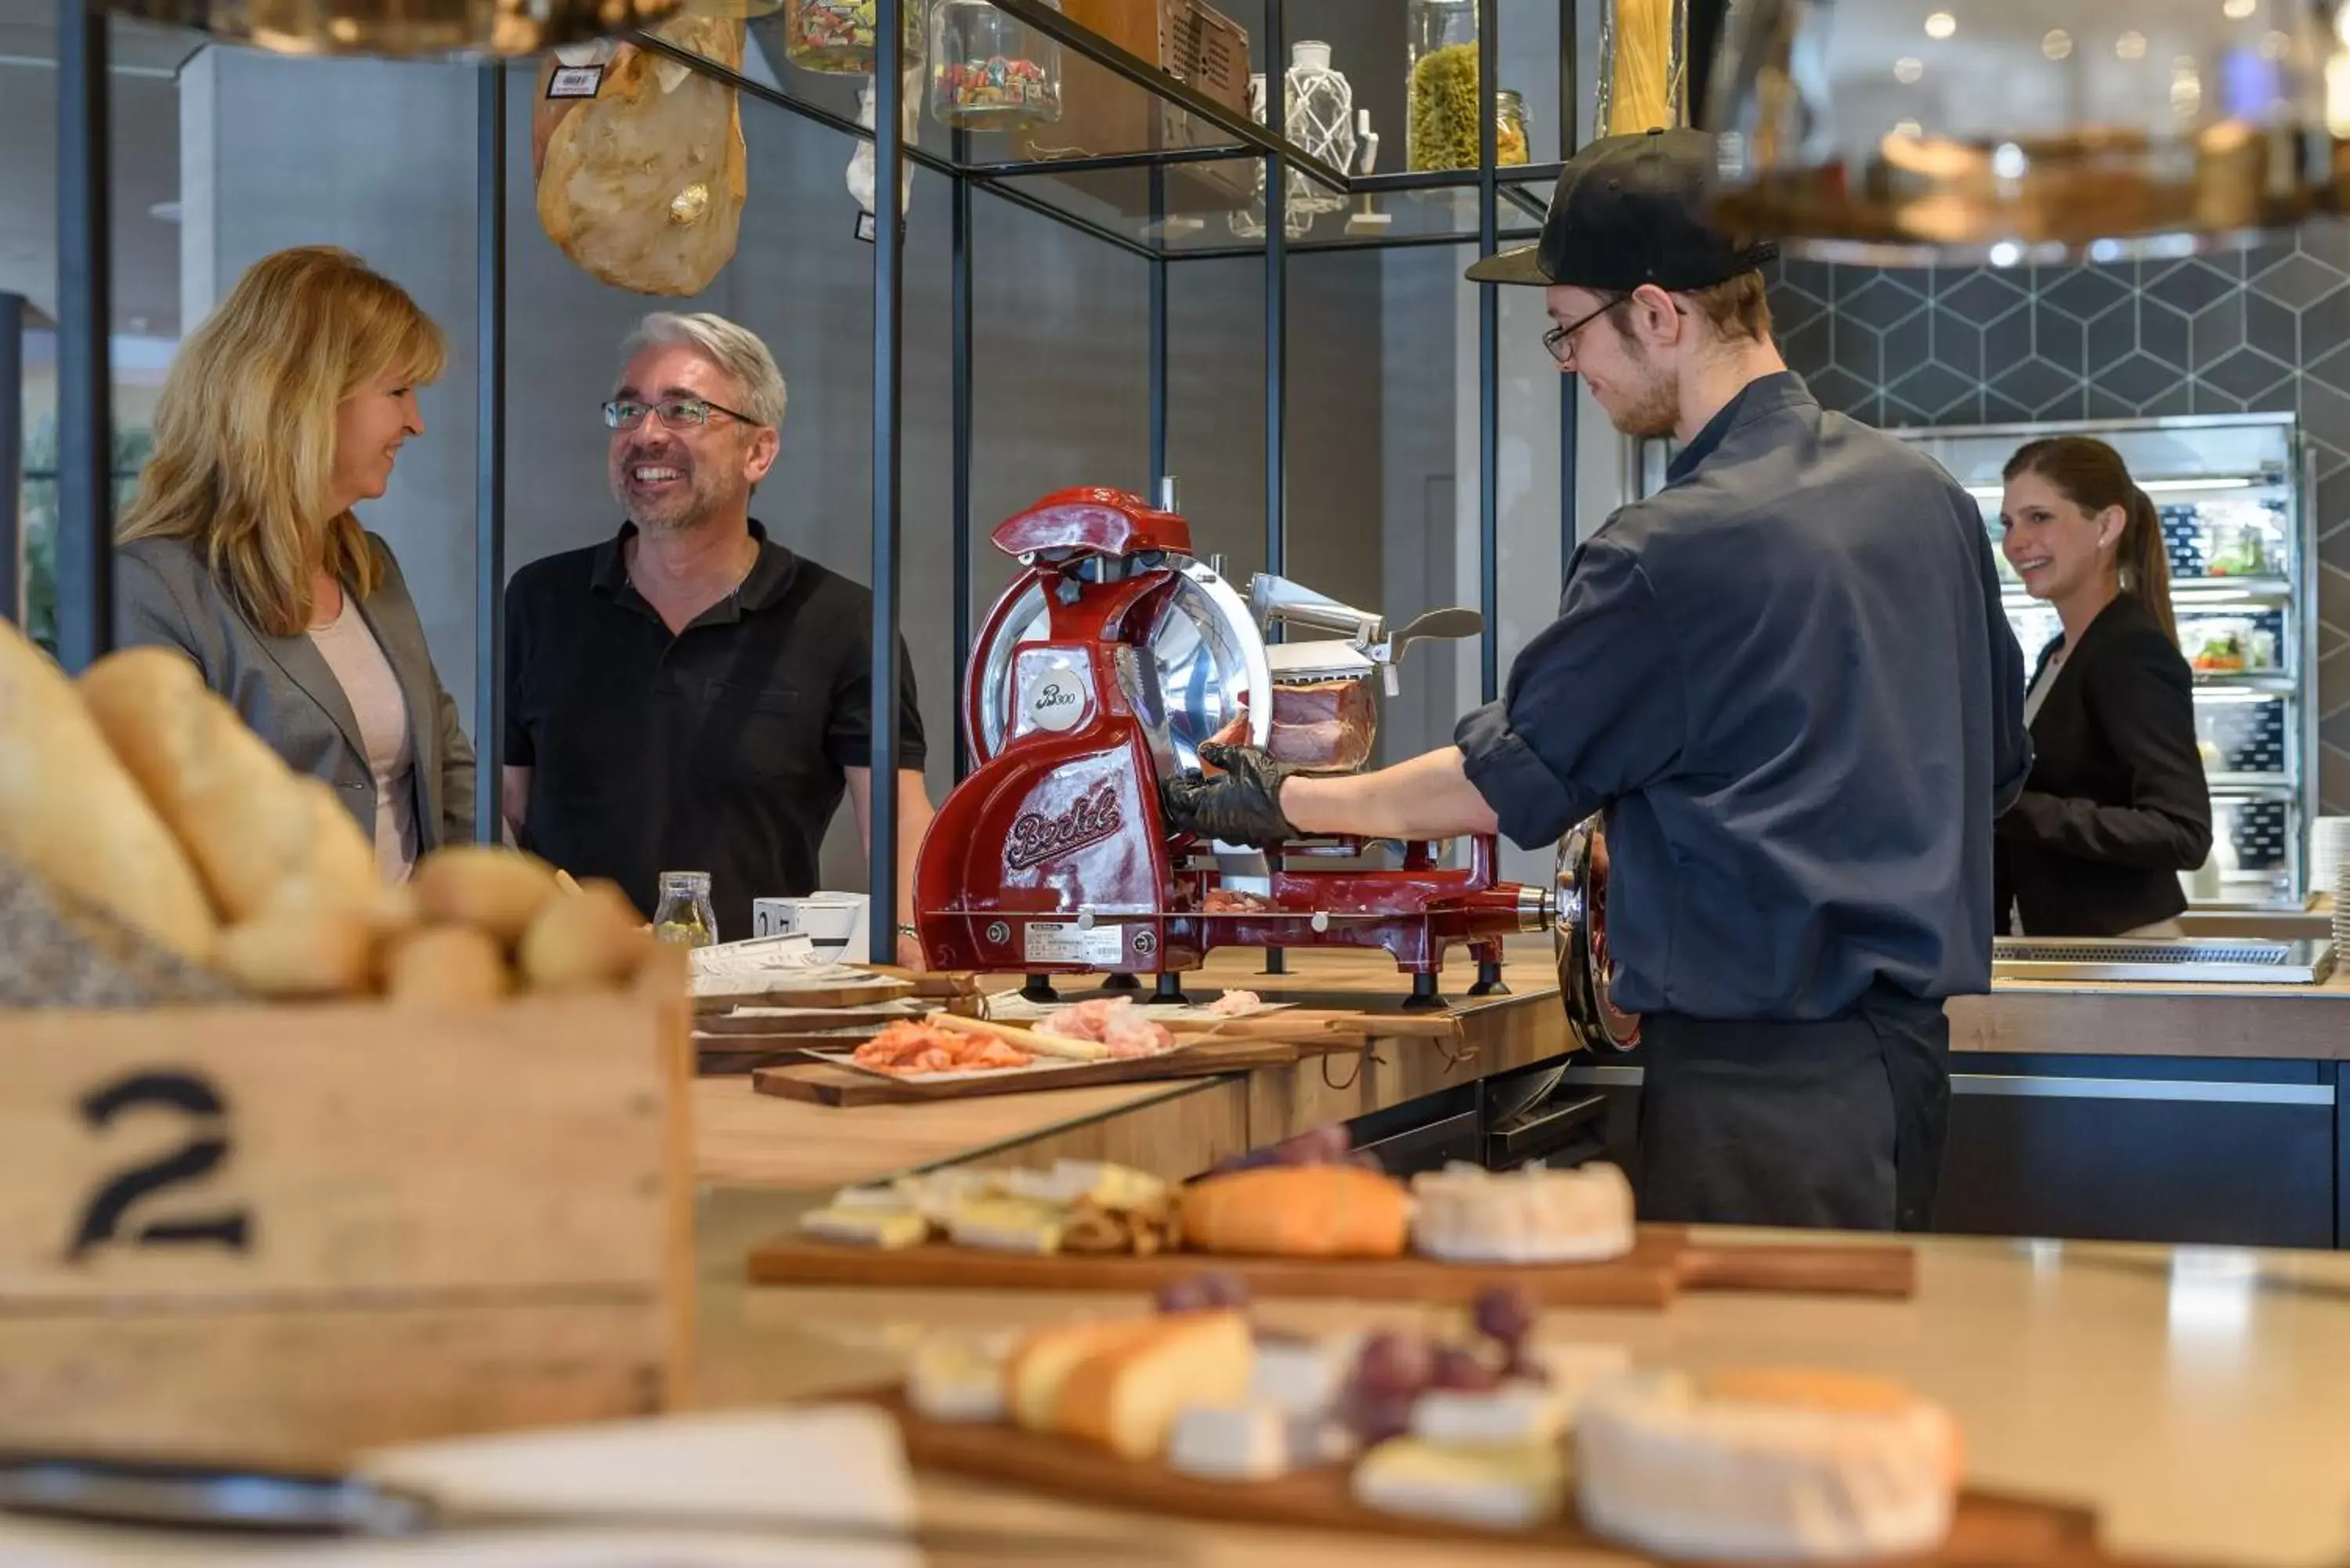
(991, 71)
(836, 37)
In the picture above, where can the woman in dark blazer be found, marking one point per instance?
(286, 408)
(2115, 806)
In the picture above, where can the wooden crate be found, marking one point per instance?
(277, 1235)
(1102, 113)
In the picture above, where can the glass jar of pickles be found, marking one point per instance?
(836, 37)
(989, 70)
(685, 916)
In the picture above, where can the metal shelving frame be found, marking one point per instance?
(85, 517)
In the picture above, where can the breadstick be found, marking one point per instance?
(1026, 1039)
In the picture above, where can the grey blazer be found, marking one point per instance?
(281, 686)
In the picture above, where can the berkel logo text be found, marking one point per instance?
(1037, 838)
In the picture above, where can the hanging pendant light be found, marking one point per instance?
(403, 28)
(2014, 131)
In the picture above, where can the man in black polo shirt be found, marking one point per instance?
(691, 695)
(1786, 679)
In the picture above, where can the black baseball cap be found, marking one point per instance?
(1632, 210)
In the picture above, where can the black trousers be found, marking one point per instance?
(1837, 1121)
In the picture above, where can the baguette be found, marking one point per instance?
(499, 890)
(1298, 1211)
(262, 837)
(297, 955)
(71, 814)
(584, 942)
(443, 966)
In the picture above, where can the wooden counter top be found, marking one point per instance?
(2137, 1019)
(2196, 1398)
(1176, 1127)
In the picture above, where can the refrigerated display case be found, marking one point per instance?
(2234, 492)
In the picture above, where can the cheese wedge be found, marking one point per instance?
(1303, 1378)
(1125, 1396)
(1516, 1413)
(1008, 1225)
(889, 1228)
(1118, 1187)
(1229, 1442)
(1038, 1368)
(956, 1379)
(1514, 1488)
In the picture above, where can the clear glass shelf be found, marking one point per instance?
(1141, 159)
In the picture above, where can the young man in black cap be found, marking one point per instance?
(1786, 679)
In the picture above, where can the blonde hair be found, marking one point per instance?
(245, 428)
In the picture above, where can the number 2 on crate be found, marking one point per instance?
(106, 1219)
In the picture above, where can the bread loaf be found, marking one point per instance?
(1125, 1396)
(1298, 1211)
(499, 890)
(260, 835)
(301, 954)
(443, 966)
(71, 814)
(585, 940)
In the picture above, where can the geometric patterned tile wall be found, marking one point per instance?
(2260, 330)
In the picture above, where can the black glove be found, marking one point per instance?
(1242, 805)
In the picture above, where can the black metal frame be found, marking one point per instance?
(85, 541)
(12, 456)
(85, 531)
(490, 461)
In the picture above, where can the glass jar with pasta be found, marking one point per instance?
(1440, 89)
(1509, 129)
(1642, 72)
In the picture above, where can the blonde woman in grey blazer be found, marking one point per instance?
(287, 408)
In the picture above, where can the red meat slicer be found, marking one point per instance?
(1100, 670)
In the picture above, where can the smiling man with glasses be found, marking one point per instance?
(1786, 679)
(691, 695)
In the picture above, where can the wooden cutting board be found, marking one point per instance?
(791, 1019)
(1663, 1262)
(825, 1084)
(1989, 1529)
(731, 1056)
(847, 994)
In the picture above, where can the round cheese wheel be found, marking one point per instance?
(1466, 1214)
(1766, 1464)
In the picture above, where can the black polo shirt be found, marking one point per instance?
(1787, 678)
(720, 748)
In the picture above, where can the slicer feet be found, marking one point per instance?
(1424, 997)
(1039, 989)
(1489, 979)
(1169, 992)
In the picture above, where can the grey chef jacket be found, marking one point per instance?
(1788, 678)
